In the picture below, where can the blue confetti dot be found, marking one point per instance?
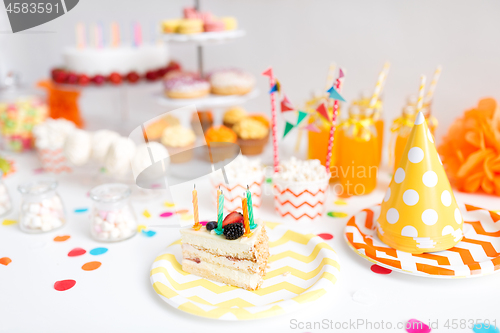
(485, 328)
(81, 210)
(149, 233)
(98, 250)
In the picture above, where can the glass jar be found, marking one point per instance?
(5, 200)
(41, 207)
(112, 218)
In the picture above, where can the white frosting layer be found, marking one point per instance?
(231, 78)
(101, 141)
(78, 147)
(123, 60)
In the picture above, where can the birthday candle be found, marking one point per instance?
(250, 208)
(80, 35)
(220, 210)
(245, 215)
(197, 224)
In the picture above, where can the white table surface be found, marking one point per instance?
(118, 297)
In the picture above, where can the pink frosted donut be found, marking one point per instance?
(186, 87)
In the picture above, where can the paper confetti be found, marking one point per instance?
(326, 236)
(64, 285)
(166, 214)
(38, 171)
(141, 227)
(5, 261)
(182, 211)
(187, 217)
(148, 233)
(204, 223)
(485, 328)
(77, 251)
(61, 238)
(91, 266)
(337, 214)
(380, 270)
(416, 326)
(98, 251)
(340, 202)
(9, 222)
(81, 210)
(169, 204)
(146, 213)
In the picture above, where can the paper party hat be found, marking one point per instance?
(419, 212)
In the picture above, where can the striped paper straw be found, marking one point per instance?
(432, 87)
(329, 77)
(420, 101)
(379, 85)
(332, 129)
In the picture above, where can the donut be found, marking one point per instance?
(186, 87)
(231, 82)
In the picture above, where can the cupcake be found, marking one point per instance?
(155, 129)
(233, 115)
(221, 141)
(205, 118)
(231, 82)
(186, 87)
(252, 135)
(179, 141)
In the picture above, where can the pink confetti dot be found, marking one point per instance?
(204, 223)
(166, 214)
(76, 252)
(416, 326)
(64, 285)
(380, 270)
(326, 236)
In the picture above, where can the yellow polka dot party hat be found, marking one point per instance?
(419, 213)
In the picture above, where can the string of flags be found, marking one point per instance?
(286, 106)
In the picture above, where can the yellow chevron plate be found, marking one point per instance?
(303, 268)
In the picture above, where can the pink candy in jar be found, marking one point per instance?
(41, 208)
(112, 217)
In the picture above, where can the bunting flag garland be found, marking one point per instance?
(334, 94)
(274, 88)
(302, 116)
(288, 128)
(321, 109)
(286, 105)
(268, 72)
(341, 73)
(311, 128)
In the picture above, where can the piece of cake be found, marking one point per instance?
(240, 262)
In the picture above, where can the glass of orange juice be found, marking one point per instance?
(363, 103)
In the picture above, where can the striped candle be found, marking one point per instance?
(432, 87)
(220, 212)
(250, 209)
(246, 222)
(197, 224)
(379, 85)
(420, 101)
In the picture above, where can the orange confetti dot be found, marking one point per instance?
(182, 211)
(61, 238)
(90, 266)
(5, 261)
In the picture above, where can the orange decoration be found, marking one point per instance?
(5, 261)
(61, 238)
(90, 266)
(471, 149)
(220, 134)
(62, 102)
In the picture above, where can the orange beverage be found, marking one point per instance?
(363, 103)
(357, 155)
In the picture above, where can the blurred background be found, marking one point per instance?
(299, 39)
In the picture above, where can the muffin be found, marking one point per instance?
(221, 141)
(252, 135)
(233, 115)
(205, 118)
(186, 87)
(155, 129)
(179, 141)
(231, 82)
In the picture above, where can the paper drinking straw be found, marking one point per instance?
(270, 74)
(420, 101)
(330, 76)
(432, 87)
(379, 85)
(332, 129)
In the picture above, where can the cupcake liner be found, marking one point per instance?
(233, 192)
(300, 201)
(53, 160)
(253, 146)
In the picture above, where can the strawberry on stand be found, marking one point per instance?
(59, 75)
(115, 78)
(133, 77)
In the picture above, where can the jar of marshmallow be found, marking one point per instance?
(112, 218)
(5, 201)
(41, 207)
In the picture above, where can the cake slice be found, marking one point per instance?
(239, 262)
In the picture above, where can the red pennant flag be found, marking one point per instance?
(286, 105)
(268, 72)
(321, 109)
